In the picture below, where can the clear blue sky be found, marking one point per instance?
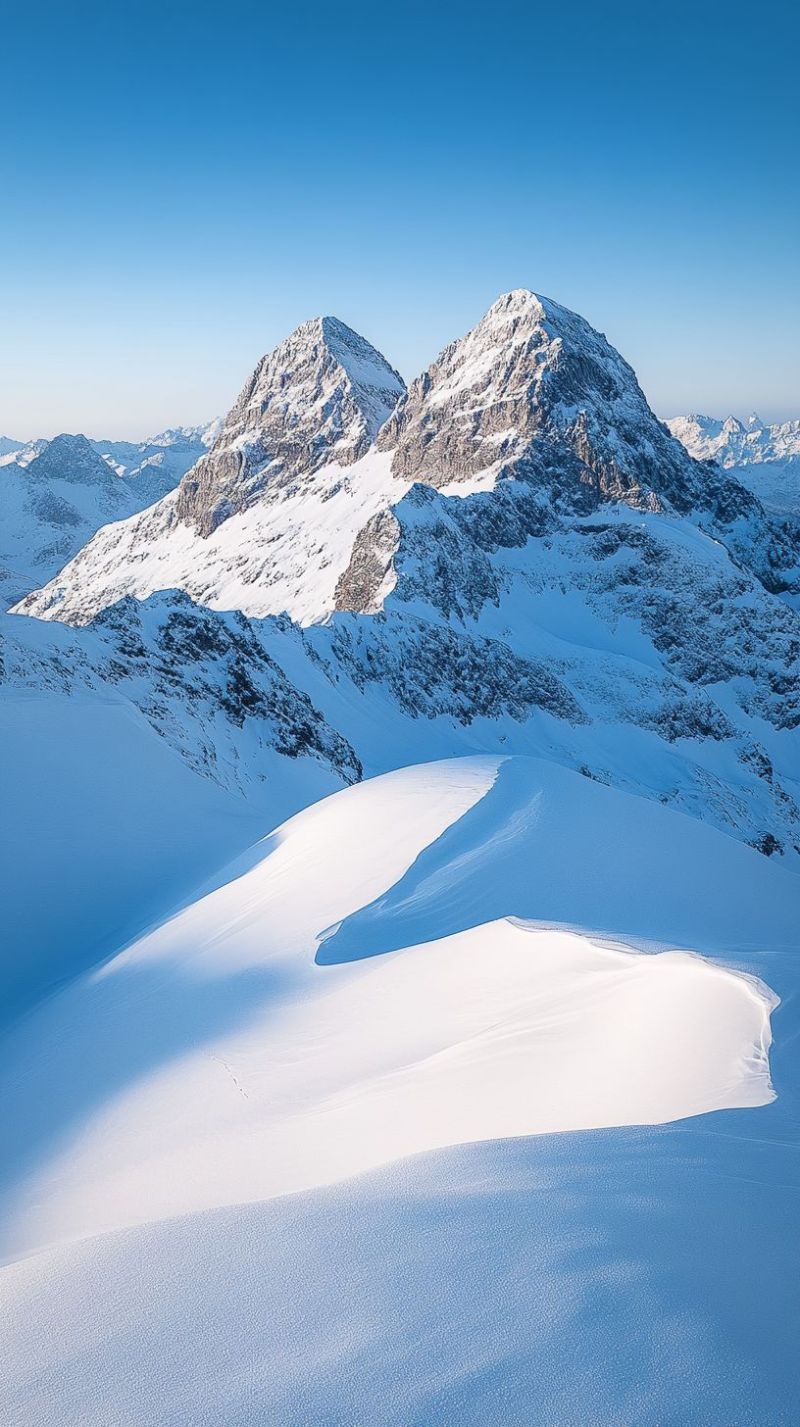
(183, 183)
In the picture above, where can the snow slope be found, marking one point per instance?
(387, 973)
(260, 1042)
(134, 758)
(105, 829)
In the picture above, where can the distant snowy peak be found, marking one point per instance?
(320, 396)
(18, 453)
(156, 465)
(73, 459)
(734, 442)
(50, 507)
(764, 458)
(203, 435)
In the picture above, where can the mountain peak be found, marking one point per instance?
(319, 397)
(529, 377)
(71, 458)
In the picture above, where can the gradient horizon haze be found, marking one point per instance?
(184, 183)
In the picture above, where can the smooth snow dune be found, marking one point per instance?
(215, 1062)
(550, 845)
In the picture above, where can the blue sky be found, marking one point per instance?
(184, 183)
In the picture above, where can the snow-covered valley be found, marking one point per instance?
(402, 875)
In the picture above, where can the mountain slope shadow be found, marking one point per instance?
(549, 845)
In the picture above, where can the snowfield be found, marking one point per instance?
(330, 1058)
(388, 973)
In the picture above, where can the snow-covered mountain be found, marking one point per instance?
(524, 559)
(19, 453)
(173, 451)
(269, 520)
(155, 466)
(55, 494)
(49, 508)
(573, 652)
(764, 458)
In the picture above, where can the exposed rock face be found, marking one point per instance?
(433, 671)
(525, 558)
(320, 396)
(363, 585)
(530, 377)
(205, 681)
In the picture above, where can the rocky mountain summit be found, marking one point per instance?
(321, 395)
(513, 555)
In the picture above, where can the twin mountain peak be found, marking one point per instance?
(533, 403)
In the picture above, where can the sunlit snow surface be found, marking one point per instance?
(440, 956)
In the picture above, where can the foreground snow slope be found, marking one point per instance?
(358, 987)
(638, 1277)
(104, 829)
(216, 1062)
(133, 762)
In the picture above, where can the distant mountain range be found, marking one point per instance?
(764, 458)
(55, 494)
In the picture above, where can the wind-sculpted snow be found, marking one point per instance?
(261, 1041)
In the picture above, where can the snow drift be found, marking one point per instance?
(217, 1062)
